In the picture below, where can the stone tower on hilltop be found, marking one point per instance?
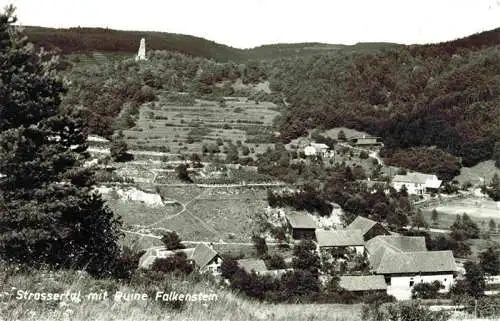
(141, 55)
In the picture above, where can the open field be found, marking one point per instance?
(479, 174)
(216, 213)
(136, 213)
(479, 209)
(475, 207)
(183, 130)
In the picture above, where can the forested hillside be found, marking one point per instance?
(88, 40)
(106, 86)
(443, 96)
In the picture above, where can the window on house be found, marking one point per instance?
(412, 282)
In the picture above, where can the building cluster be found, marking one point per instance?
(397, 263)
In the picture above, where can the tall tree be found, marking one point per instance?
(474, 279)
(48, 213)
(489, 261)
(435, 217)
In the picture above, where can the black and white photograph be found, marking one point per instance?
(251, 160)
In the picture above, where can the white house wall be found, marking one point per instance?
(400, 285)
(412, 188)
(213, 267)
(360, 250)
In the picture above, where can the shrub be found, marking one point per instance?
(426, 290)
(172, 241)
(178, 264)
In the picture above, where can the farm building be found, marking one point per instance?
(361, 284)
(253, 265)
(377, 246)
(205, 259)
(159, 252)
(366, 141)
(402, 270)
(302, 226)
(315, 149)
(351, 240)
(417, 183)
(369, 228)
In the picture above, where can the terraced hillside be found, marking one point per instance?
(204, 127)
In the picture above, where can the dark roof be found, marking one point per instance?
(361, 223)
(380, 244)
(363, 283)
(334, 238)
(203, 254)
(416, 262)
(250, 265)
(299, 220)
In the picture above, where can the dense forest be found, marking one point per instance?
(442, 98)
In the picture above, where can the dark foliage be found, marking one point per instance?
(48, 214)
(489, 260)
(183, 174)
(442, 98)
(260, 246)
(426, 290)
(177, 264)
(172, 241)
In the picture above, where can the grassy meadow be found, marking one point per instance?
(227, 305)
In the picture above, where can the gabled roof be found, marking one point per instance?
(300, 220)
(416, 262)
(363, 283)
(160, 252)
(361, 223)
(430, 181)
(320, 145)
(380, 244)
(250, 265)
(398, 243)
(335, 238)
(203, 254)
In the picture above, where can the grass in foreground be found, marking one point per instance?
(228, 305)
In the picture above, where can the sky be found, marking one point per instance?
(249, 23)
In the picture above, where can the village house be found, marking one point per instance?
(348, 240)
(377, 246)
(316, 149)
(366, 141)
(204, 258)
(402, 270)
(253, 265)
(160, 252)
(363, 284)
(369, 228)
(301, 226)
(417, 183)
